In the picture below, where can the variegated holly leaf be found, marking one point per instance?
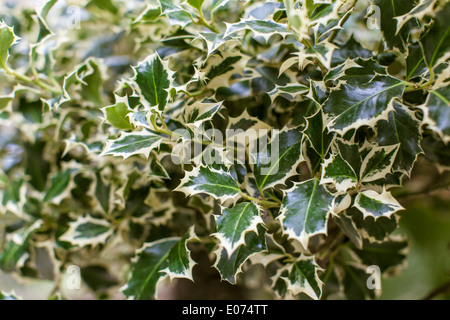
(220, 66)
(403, 129)
(378, 163)
(437, 112)
(7, 39)
(235, 223)
(356, 104)
(154, 261)
(132, 143)
(345, 168)
(303, 278)
(305, 210)
(278, 160)
(436, 41)
(374, 204)
(199, 112)
(318, 134)
(179, 257)
(423, 8)
(60, 184)
(87, 231)
(154, 79)
(263, 28)
(216, 183)
(352, 49)
(229, 266)
(340, 173)
(16, 247)
(388, 11)
(175, 13)
(292, 92)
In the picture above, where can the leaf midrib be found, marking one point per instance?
(238, 221)
(273, 167)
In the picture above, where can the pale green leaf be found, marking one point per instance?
(117, 115)
(7, 39)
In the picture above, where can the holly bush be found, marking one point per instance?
(267, 139)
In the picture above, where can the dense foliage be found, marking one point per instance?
(110, 117)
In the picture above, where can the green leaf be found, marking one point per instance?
(130, 144)
(197, 4)
(230, 266)
(357, 104)
(60, 183)
(117, 115)
(374, 204)
(353, 281)
(235, 223)
(401, 128)
(279, 160)
(305, 210)
(437, 112)
(386, 255)
(87, 231)
(7, 39)
(303, 278)
(415, 62)
(216, 183)
(154, 80)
